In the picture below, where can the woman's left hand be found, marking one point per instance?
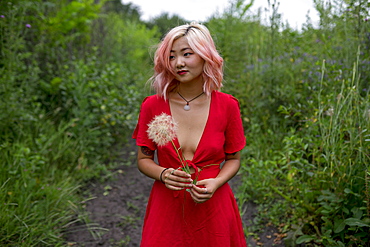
(203, 190)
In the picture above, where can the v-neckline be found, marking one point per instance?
(177, 142)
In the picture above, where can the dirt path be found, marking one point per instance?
(114, 213)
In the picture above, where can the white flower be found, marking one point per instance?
(330, 112)
(367, 114)
(162, 129)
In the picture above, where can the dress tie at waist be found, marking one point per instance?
(207, 171)
(199, 169)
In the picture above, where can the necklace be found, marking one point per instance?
(187, 106)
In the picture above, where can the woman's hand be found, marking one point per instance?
(203, 190)
(175, 179)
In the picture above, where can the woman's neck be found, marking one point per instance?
(189, 91)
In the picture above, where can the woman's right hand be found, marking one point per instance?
(175, 179)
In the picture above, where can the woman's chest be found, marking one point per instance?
(190, 128)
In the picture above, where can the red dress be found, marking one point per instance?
(172, 218)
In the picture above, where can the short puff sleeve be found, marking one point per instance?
(234, 135)
(140, 133)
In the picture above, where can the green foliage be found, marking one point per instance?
(65, 107)
(73, 20)
(127, 11)
(305, 104)
(36, 187)
(165, 22)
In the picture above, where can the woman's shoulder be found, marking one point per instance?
(226, 98)
(152, 99)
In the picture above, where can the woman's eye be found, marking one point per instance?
(187, 54)
(172, 57)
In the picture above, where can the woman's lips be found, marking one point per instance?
(182, 72)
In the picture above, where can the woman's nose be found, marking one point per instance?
(180, 63)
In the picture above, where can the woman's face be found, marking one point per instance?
(187, 65)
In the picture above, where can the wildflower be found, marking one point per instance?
(162, 129)
(28, 25)
(340, 96)
(2, 16)
(330, 112)
(367, 114)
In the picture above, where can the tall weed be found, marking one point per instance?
(36, 186)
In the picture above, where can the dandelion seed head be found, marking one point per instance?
(340, 96)
(330, 112)
(162, 129)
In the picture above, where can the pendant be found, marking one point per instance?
(186, 107)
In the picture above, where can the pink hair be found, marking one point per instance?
(201, 42)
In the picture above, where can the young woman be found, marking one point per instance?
(196, 209)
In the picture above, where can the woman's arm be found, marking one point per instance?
(229, 169)
(146, 164)
(173, 179)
